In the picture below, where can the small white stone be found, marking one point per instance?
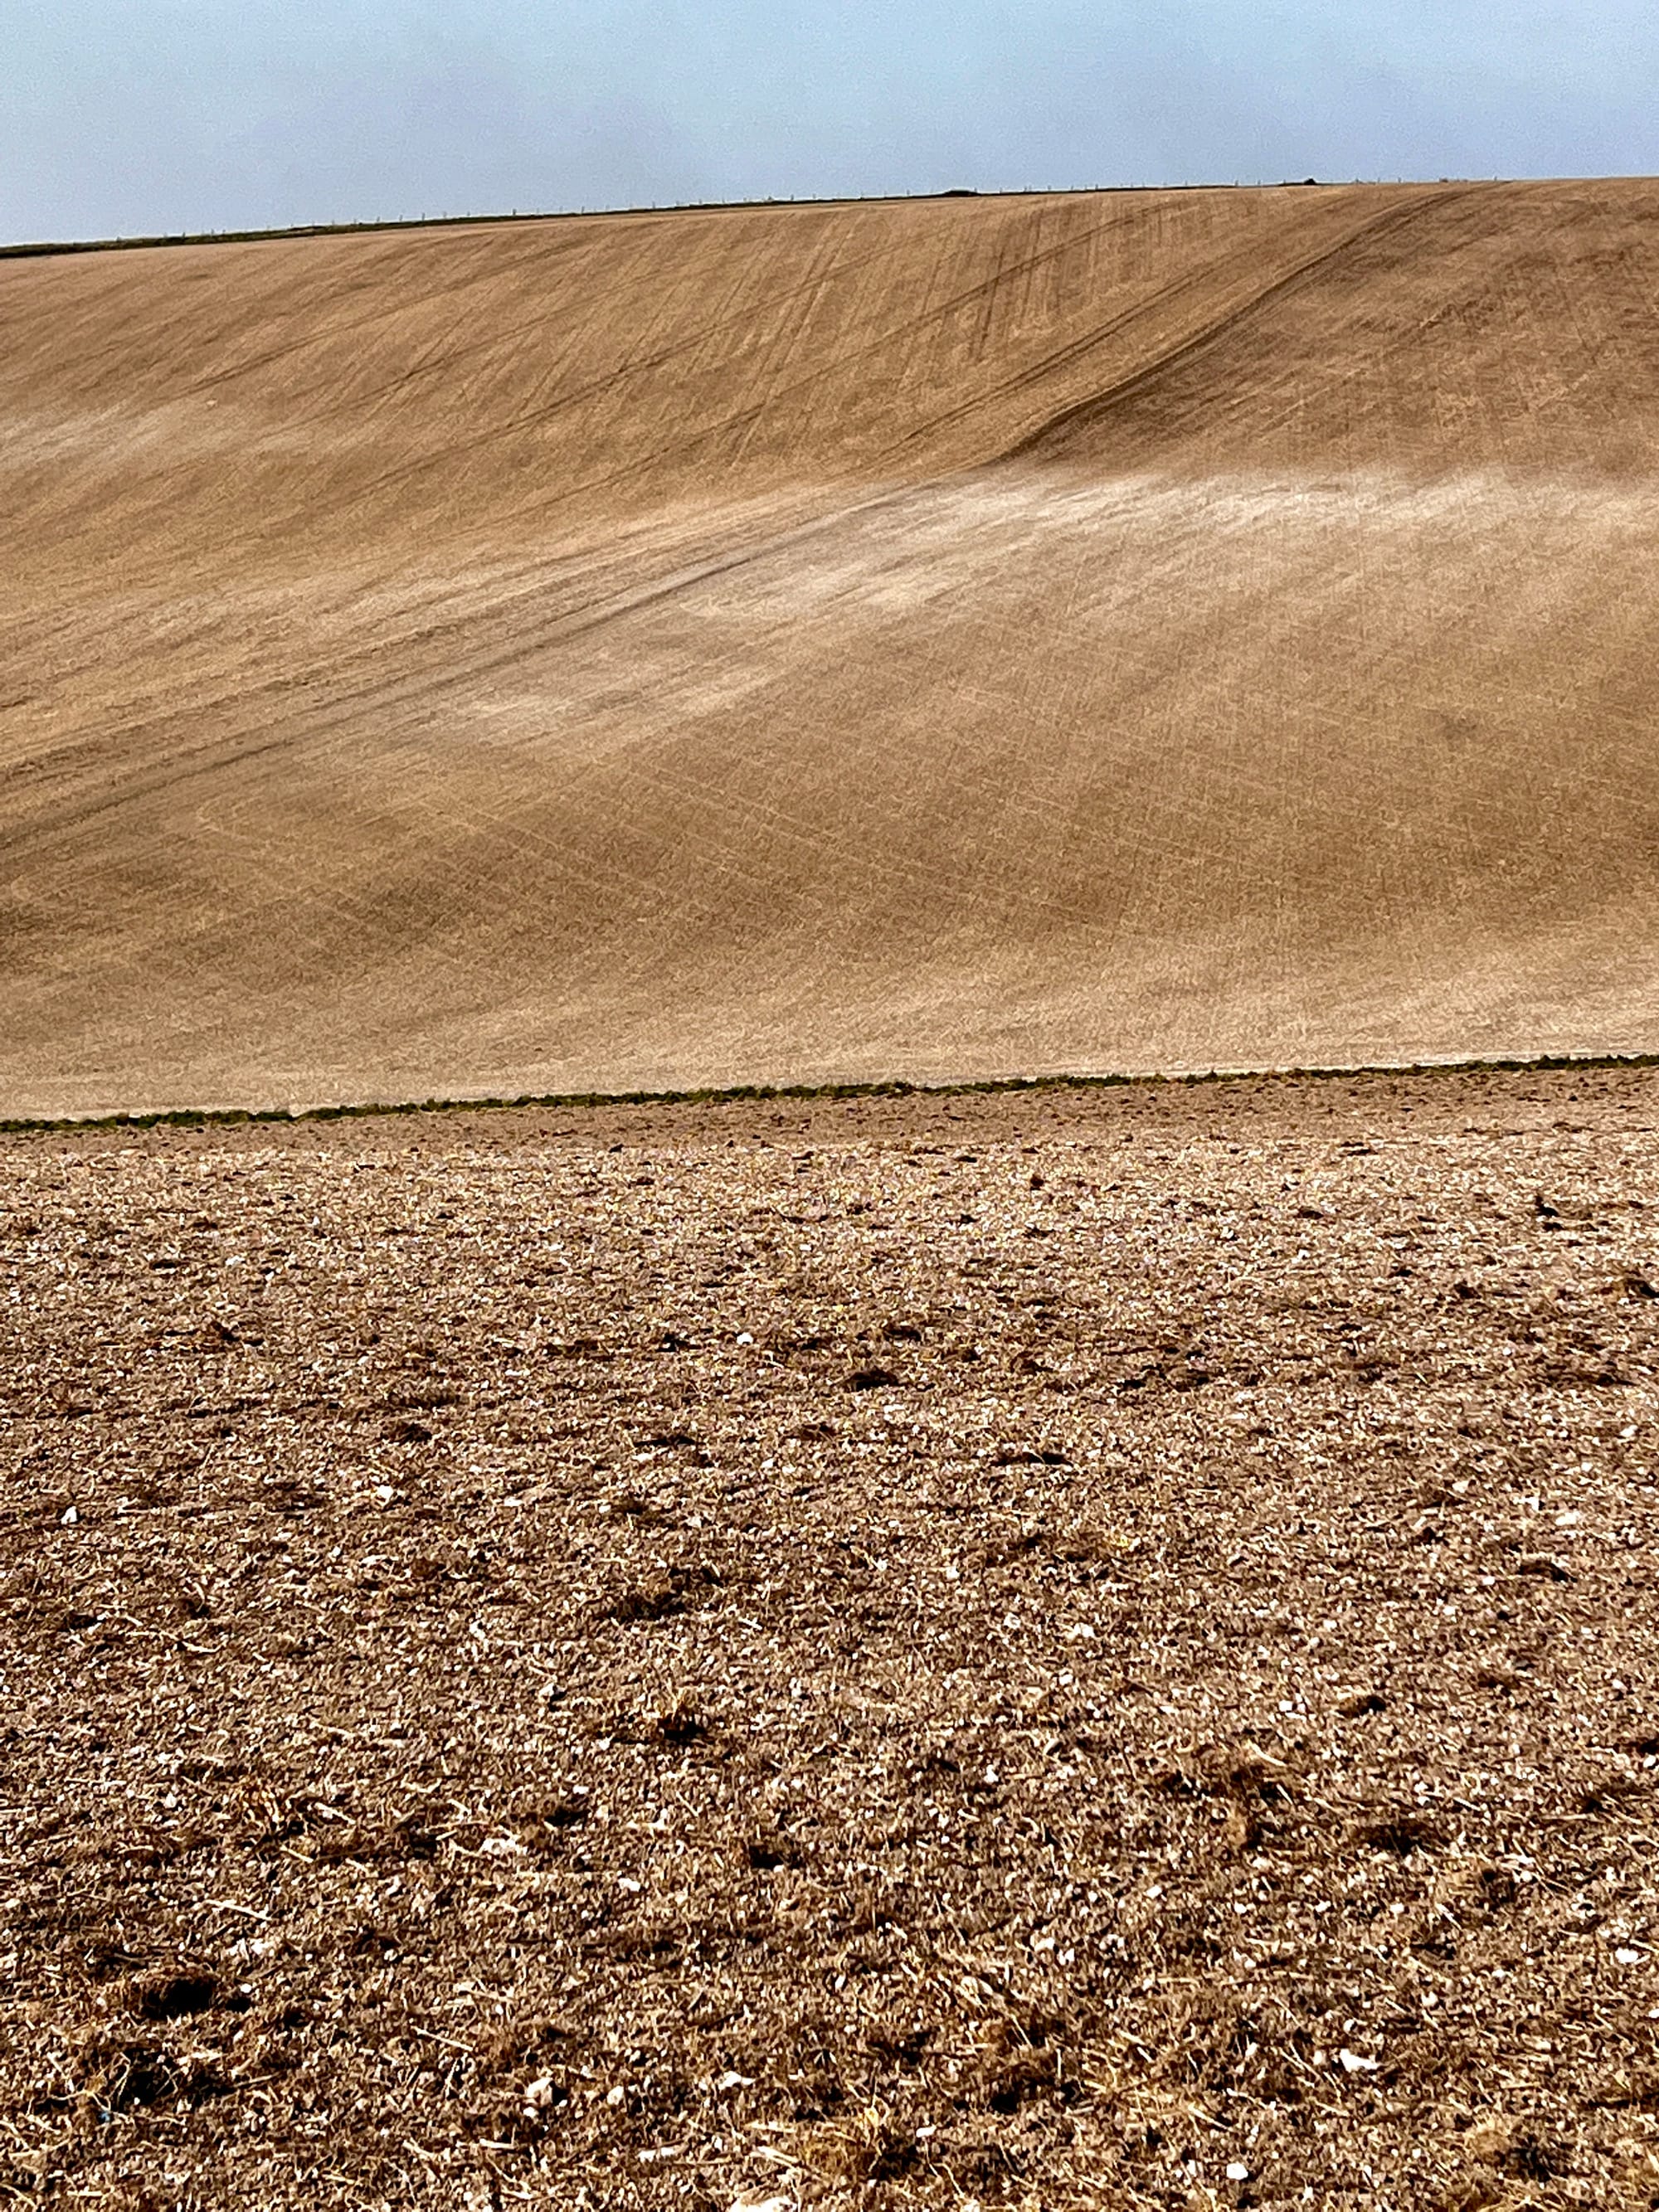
(1238, 2170)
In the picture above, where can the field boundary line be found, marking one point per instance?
(200, 1117)
(40, 249)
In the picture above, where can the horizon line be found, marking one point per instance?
(24, 249)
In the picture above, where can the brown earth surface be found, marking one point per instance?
(1087, 1648)
(930, 639)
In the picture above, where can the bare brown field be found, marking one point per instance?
(1095, 1649)
(932, 640)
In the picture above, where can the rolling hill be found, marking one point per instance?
(937, 640)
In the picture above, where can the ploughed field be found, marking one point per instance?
(1066, 1649)
(935, 639)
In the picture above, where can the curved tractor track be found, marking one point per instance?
(930, 640)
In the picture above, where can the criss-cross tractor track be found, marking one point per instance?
(934, 639)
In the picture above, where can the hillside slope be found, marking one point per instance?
(924, 639)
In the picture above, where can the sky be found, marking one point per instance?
(125, 118)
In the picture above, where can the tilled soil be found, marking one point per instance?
(1065, 1648)
(1092, 633)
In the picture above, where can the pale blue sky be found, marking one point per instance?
(119, 117)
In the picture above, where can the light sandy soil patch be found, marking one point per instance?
(1095, 632)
